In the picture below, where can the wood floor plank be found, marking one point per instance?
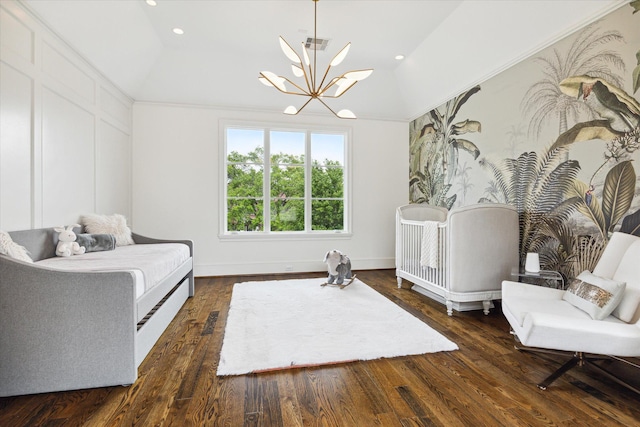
(289, 406)
(390, 380)
(486, 382)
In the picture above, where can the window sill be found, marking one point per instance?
(283, 236)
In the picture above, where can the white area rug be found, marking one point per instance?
(294, 323)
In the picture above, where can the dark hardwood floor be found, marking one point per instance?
(485, 383)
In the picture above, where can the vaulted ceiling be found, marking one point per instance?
(448, 45)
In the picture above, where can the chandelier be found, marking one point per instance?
(313, 87)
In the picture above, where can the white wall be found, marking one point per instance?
(65, 131)
(176, 190)
(68, 147)
(538, 24)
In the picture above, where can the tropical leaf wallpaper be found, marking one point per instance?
(557, 136)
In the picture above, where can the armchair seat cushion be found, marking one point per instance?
(521, 307)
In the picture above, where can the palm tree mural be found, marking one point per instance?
(619, 128)
(567, 221)
(435, 145)
(516, 137)
(635, 4)
(580, 84)
(546, 192)
(538, 185)
(464, 181)
(544, 100)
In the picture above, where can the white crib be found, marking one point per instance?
(460, 257)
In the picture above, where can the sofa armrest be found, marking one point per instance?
(140, 239)
(65, 330)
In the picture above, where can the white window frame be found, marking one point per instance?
(224, 234)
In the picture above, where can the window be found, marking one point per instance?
(282, 180)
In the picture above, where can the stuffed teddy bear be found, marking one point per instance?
(67, 245)
(339, 266)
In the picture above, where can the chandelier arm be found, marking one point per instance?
(307, 80)
(304, 92)
(345, 91)
(321, 90)
(333, 82)
(329, 108)
(275, 85)
(304, 105)
(310, 78)
(289, 52)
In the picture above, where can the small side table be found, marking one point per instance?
(548, 278)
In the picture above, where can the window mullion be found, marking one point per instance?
(307, 181)
(266, 185)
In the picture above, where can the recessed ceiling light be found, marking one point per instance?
(399, 57)
(178, 31)
(151, 2)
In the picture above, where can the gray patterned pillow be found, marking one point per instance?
(595, 295)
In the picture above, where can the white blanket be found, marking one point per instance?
(430, 244)
(155, 261)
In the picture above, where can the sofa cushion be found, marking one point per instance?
(108, 224)
(595, 295)
(156, 261)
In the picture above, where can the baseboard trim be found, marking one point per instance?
(282, 267)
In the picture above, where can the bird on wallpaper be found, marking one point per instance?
(588, 196)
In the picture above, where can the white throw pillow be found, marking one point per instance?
(11, 249)
(595, 295)
(626, 310)
(115, 224)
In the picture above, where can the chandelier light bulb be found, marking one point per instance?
(341, 55)
(297, 71)
(346, 114)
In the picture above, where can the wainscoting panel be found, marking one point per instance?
(65, 136)
(67, 160)
(15, 148)
(113, 170)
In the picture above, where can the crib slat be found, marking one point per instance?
(409, 250)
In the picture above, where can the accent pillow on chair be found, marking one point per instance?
(108, 224)
(595, 295)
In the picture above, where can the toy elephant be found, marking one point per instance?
(339, 266)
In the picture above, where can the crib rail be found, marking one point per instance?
(409, 251)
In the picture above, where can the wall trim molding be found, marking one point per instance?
(284, 267)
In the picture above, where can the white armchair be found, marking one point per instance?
(557, 321)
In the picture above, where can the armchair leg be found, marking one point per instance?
(561, 370)
(581, 359)
(613, 377)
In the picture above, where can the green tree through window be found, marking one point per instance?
(284, 181)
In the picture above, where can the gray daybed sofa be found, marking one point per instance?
(89, 323)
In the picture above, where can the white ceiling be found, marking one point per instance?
(449, 46)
